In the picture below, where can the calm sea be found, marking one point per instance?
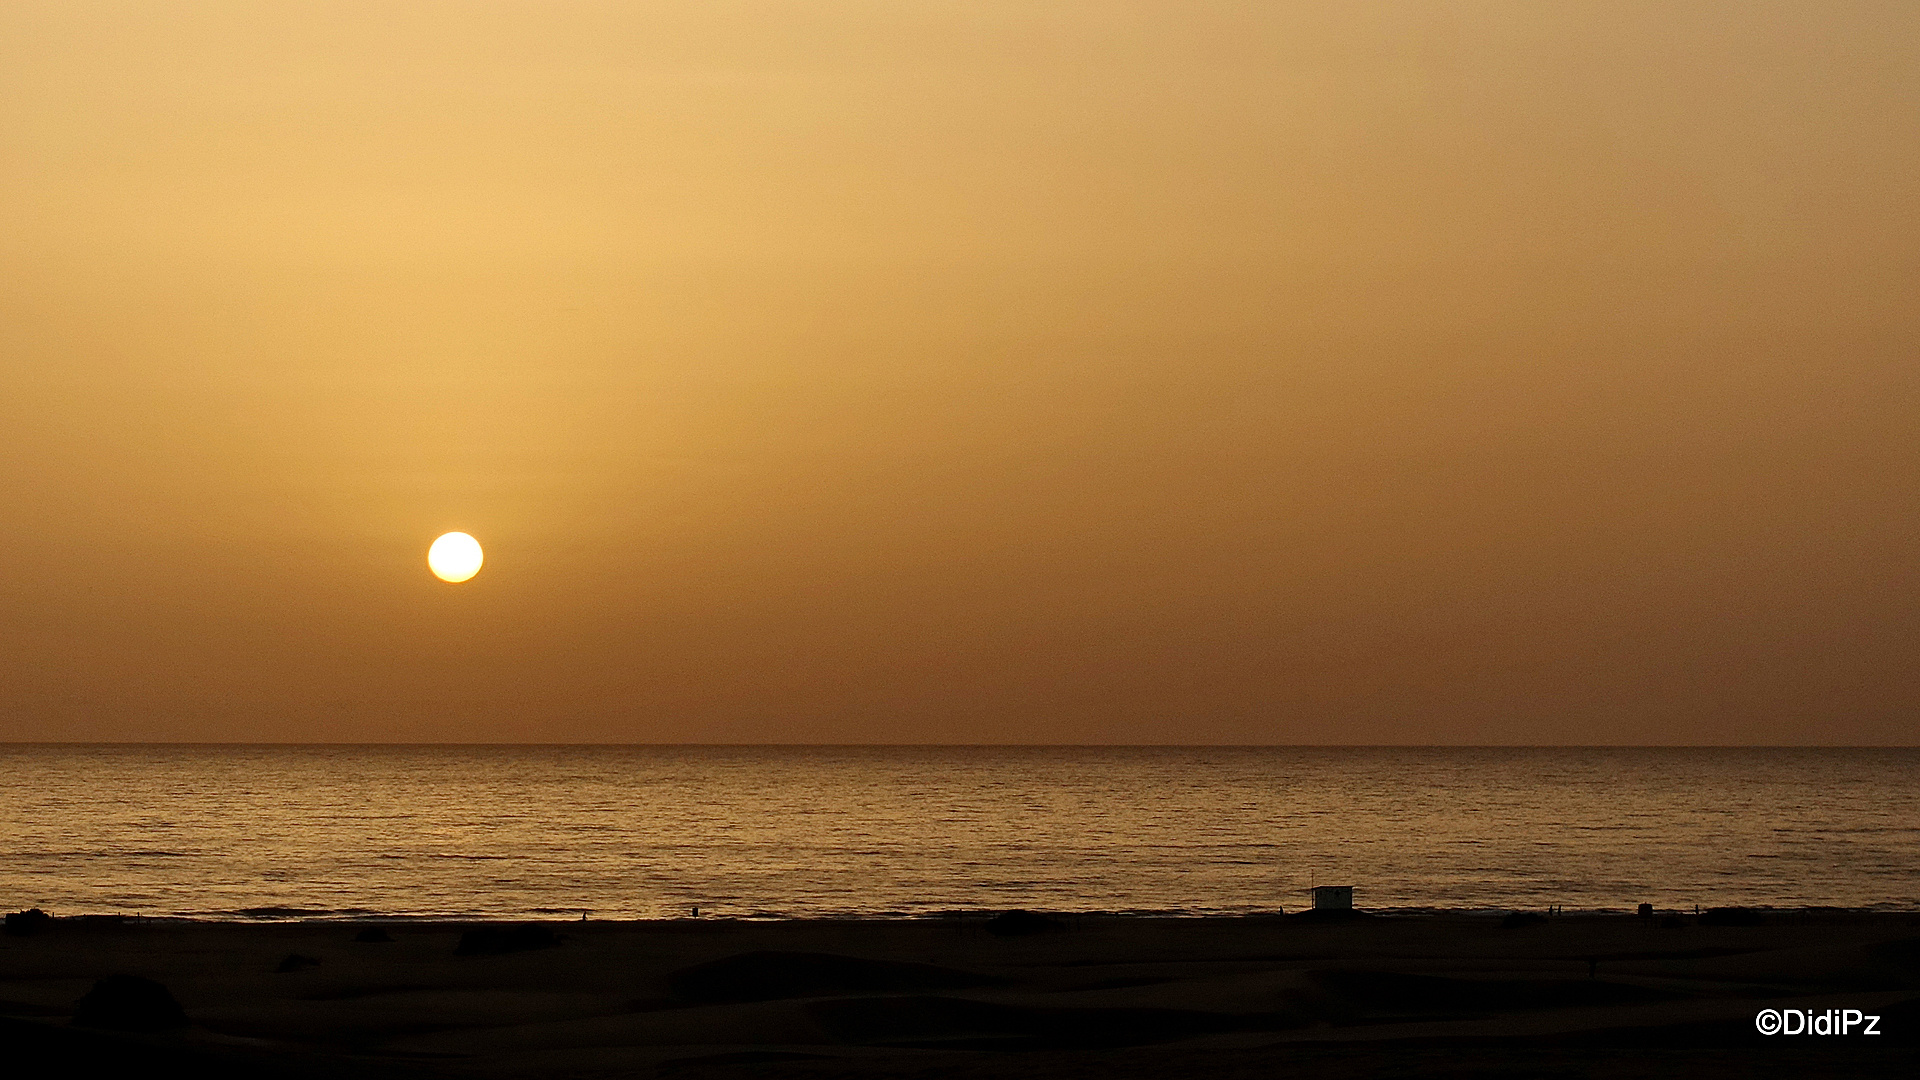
(622, 832)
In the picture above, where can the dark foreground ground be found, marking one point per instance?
(1108, 997)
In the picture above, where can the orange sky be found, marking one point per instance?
(941, 371)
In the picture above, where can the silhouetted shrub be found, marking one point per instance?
(28, 922)
(296, 962)
(129, 1003)
(1731, 916)
(1517, 919)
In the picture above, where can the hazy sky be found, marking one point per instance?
(961, 370)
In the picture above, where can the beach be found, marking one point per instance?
(973, 995)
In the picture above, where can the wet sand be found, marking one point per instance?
(1113, 997)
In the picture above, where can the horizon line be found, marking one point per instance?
(988, 745)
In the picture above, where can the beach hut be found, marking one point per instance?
(1333, 898)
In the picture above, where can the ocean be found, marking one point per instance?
(265, 832)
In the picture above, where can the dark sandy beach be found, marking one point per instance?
(1110, 996)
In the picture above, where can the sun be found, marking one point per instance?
(454, 557)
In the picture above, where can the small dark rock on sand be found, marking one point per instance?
(296, 962)
(129, 1003)
(1019, 923)
(373, 934)
(495, 940)
(27, 923)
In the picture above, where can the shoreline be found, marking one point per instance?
(295, 916)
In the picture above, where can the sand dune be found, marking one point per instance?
(1108, 996)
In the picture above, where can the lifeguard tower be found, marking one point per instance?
(1333, 898)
